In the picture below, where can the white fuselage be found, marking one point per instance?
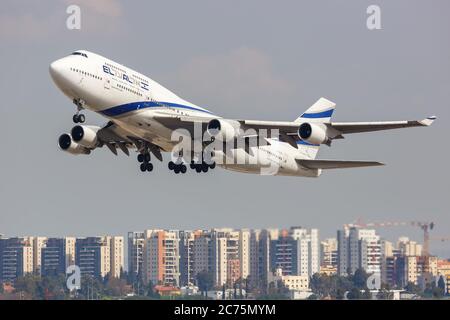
(139, 105)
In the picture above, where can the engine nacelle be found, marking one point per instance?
(313, 133)
(223, 129)
(66, 143)
(85, 135)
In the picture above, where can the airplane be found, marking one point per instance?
(143, 115)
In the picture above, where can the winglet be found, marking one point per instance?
(428, 121)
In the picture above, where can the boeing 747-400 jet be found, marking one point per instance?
(145, 116)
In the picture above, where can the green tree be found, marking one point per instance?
(91, 287)
(355, 294)
(413, 288)
(28, 284)
(205, 281)
(53, 287)
(151, 293)
(441, 285)
(117, 287)
(359, 279)
(384, 292)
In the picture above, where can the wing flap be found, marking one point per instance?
(336, 164)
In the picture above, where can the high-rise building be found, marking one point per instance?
(408, 247)
(38, 244)
(117, 257)
(308, 255)
(202, 255)
(328, 254)
(419, 270)
(244, 253)
(16, 258)
(161, 257)
(225, 251)
(358, 248)
(259, 258)
(56, 255)
(188, 270)
(136, 242)
(283, 254)
(100, 256)
(387, 251)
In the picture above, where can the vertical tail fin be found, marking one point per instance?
(321, 111)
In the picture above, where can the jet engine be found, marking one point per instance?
(85, 135)
(67, 144)
(223, 129)
(313, 133)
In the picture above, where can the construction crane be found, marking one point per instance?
(425, 226)
(442, 239)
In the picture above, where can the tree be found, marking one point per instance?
(354, 294)
(91, 287)
(151, 293)
(413, 288)
(28, 284)
(204, 281)
(117, 287)
(384, 292)
(359, 279)
(441, 284)
(53, 287)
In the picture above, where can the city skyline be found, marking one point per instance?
(321, 238)
(290, 263)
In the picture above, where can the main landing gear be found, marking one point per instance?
(144, 159)
(202, 166)
(177, 167)
(198, 167)
(78, 117)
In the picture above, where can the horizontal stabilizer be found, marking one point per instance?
(335, 164)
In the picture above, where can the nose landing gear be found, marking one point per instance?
(77, 117)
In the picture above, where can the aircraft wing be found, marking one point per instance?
(339, 128)
(114, 137)
(357, 127)
(336, 164)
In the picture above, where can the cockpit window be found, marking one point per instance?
(79, 54)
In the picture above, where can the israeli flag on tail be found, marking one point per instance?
(321, 111)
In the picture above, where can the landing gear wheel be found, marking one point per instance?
(176, 169)
(147, 157)
(212, 165)
(78, 118)
(183, 168)
(143, 167)
(140, 157)
(149, 167)
(205, 167)
(198, 168)
(171, 165)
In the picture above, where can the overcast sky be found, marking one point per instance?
(267, 60)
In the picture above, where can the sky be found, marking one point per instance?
(262, 60)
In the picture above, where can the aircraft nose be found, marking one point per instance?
(56, 68)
